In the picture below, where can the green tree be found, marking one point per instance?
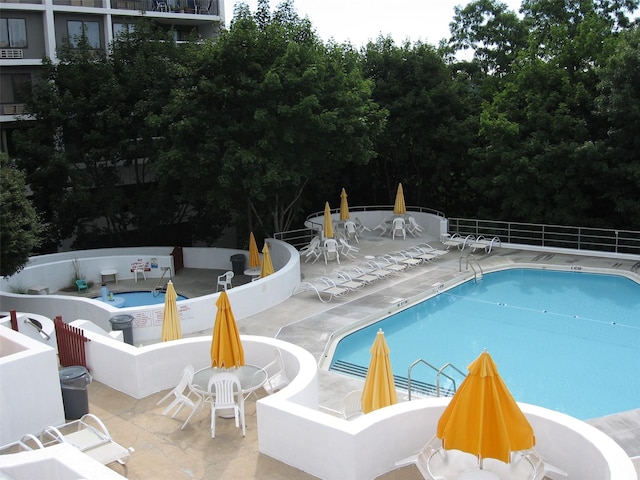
(20, 227)
(268, 110)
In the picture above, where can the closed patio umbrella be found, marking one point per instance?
(328, 222)
(170, 318)
(379, 387)
(254, 256)
(226, 347)
(399, 207)
(344, 206)
(483, 418)
(267, 265)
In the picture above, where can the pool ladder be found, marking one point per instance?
(157, 290)
(470, 259)
(439, 373)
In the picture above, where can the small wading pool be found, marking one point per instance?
(137, 299)
(567, 341)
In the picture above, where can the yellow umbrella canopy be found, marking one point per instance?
(328, 223)
(344, 206)
(379, 387)
(483, 418)
(226, 347)
(254, 256)
(267, 266)
(399, 208)
(170, 318)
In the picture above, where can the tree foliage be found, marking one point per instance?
(20, 228)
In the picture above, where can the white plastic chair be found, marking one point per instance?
(184, 396)
(137, 270)
(360, 227)
(398, 228)
(331, 250)
(312, 250)
(226, 394)
(224, 281)
(350, 228)
(276, 376)
(351, 406)
(413, 228)
(347, 249)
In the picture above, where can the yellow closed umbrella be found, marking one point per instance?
(483, 418)
(267, 265)
(254, 256)
(399, 208)
(170, 318)
(328, 222)
(379, 387)
(344, 206)
(226, 347)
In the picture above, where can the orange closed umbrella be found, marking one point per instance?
(379, 387)
(483, 418)
(267, 266)
(328, 222)
(399, 208)
(170, 318)
(226, 347)
(254, 256)
(344, 206)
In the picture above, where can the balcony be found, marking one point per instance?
(202, 7)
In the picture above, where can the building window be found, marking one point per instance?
(13, 33)
(77, 29)
(122, 29)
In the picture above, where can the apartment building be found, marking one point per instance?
(33, 29)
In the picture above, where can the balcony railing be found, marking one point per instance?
(559, 236)
(203, 7)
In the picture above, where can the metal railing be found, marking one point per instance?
(469, 260)
(439, 373)
(558, 236)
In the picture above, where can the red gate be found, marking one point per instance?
(71, 342)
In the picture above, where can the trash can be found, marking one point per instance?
(237, 263)
(124, 323)
(75, 398)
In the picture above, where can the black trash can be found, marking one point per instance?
(124, 323)
(237, 263)
(75, 397)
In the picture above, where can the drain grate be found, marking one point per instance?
(402, 383)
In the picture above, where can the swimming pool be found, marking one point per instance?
(138, 299)
(568, 341)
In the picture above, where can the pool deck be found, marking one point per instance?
(163, 451)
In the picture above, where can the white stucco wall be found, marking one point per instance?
(196, 314)
(30, 397)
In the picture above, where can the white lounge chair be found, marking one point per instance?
(324, 288)
(225, 392)
(481, 243)
(372, 267)
(343, 279)
(426, 248)
(358, 273)
(457, 240)
(395, 263)
(184, 396)
(90, 436)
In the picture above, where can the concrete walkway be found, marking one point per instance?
(163, 451)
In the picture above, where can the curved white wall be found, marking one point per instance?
(196, 314)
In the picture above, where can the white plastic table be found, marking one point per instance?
(109, 272)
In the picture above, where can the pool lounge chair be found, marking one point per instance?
(343, 279)
(426, 248)
(397, 262)
(457, 240)
(372, 267)
(323, 287)
(481, 243)
(90, 436)
(358, 273)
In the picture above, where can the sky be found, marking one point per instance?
(359, 21)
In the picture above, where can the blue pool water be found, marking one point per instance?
(567, 341)
(139, 299)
